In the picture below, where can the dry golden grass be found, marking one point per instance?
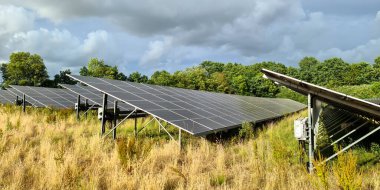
(50, 150)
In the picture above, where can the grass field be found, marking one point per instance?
(46, 149)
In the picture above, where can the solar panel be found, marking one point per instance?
(6, 97)
(326, 95)
(47, 97)
(197, 112)
(94, 96)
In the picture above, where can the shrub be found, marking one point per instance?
(346, 173)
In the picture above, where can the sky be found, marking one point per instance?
(171, 35)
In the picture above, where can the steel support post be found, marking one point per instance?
(103, 127)
(115, 115)
(23, 103)
(310, 106)
(78, 107)
(135, 124)
(180, 138)
(86, 106)
(16, 103)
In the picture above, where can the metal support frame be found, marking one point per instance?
(119, 123)
(352, 144)
(115, 115)
(135, 130)
(103, 125)
(314, 109)
(85, 113)
(86, 106)
(78, 107)
(23, 103)
(145, 125)
(179, 135)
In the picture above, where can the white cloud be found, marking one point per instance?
(15, 19)
(172, 34)
(61, 49)
(156, 50)
(366, 52)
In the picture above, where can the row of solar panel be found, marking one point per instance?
(197, 112)
(55, 97)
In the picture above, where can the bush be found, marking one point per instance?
(346, 173)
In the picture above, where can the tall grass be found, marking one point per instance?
(46, 149)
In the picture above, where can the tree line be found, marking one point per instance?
(232, 78)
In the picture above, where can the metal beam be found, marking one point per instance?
(23, 103)
(135, 124)
(118, 124)
(115, 114)
(352, 144)
(103, 127)
(78, 107)
(310, 131)
(85, 105)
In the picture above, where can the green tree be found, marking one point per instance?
(24, 69)
(162, 78)
(62, 77)
(137, 77)
(308, 67)
(240, 85)
(212, 67)
(97, 68)
(358, 73)
(331, 72)
(377, 63)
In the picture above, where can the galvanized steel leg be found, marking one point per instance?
(78, 107)
(180, 138)
(310, 131)
(115, 115)
(85, 105)
(135, 124)
(103, 127)
(23, 103)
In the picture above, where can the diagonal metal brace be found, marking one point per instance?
(88, 110)
(145, 125)
(113, 128)
(159, 123)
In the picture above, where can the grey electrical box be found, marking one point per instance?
(300, 129)
(76, 106)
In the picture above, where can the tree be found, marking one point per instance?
(162, 78)
(97, 68)
(377, 63)
(240, 85)
(307, 67)
(24, 69)
(62, 78)
(212, 67)
(3, 70)
(134, 77)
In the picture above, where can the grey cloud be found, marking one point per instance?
(61, 49)
(177, 33)
(342, 7)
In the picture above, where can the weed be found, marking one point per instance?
(246, 131)
(218, 180)
(322, 172)
(346, 172)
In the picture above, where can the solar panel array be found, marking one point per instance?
(197, 112)
(47, 97)
(94, 96)
(374, 100)
(7, 97)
